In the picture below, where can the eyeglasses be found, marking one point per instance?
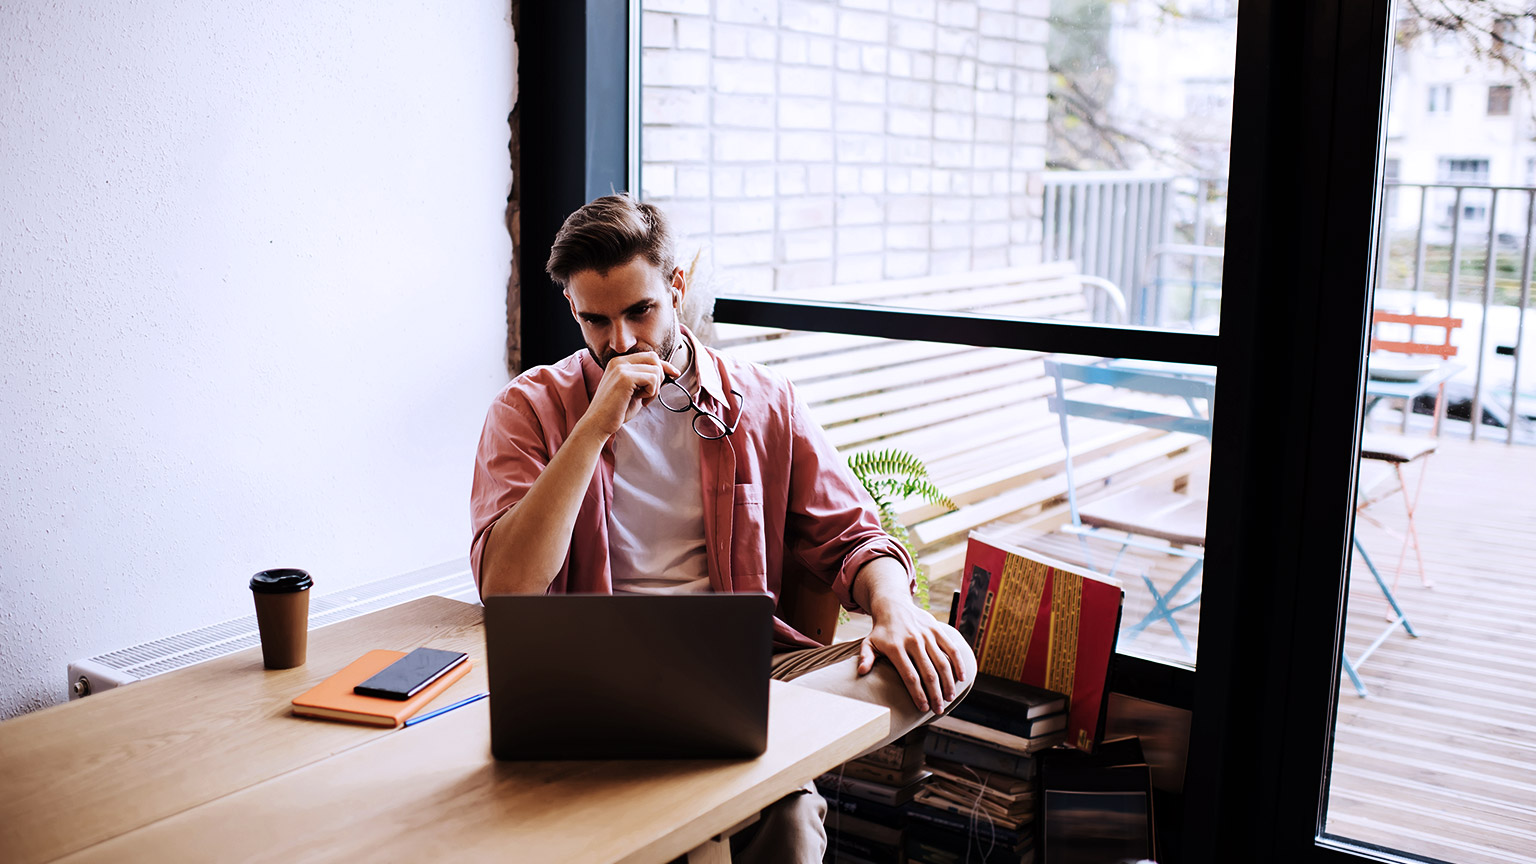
(676, 398)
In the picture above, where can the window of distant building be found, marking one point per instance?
(1463, 171)
(1498, 100)
(1439, 98)
(1391, 172)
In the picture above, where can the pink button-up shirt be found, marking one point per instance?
(776, 494)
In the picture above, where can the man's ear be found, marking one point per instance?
(567, 293)
(679, 288)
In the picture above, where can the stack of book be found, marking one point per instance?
(868, 799)
(981, 795)
(1097, 806)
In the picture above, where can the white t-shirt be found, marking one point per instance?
(656, 523)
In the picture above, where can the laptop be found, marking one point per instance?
(594, 676)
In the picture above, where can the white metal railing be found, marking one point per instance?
(1131, 228)
(1154, 233)
(1449, 217)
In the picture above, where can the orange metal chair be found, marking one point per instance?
(1397, 451)
(1444, 350)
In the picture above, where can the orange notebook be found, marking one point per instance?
(333, 698)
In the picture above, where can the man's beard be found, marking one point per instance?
(664, 351)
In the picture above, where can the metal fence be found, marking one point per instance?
(1146, 232)
(1452, 218)
(1160, 239)
(1109, 223)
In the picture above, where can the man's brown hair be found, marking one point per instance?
(609, 232)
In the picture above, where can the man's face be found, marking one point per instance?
(630, 309)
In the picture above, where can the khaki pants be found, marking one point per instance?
(792, 829)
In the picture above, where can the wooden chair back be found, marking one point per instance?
(1444, 350)
(808, 605)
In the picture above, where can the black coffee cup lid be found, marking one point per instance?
(283, 580)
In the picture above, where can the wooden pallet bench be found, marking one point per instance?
(976, 416)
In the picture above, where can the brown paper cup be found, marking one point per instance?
(282, 616)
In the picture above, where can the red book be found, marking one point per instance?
(1033, 619)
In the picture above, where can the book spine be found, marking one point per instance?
(876, 792)
(883, 814)
(979, 755)
(1016, 697)
(848, 848)
(958, 728)
(1003, 721)
(846, 825)
(978, 828)
(873, 774)
(899, 755)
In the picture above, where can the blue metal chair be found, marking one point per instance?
(1398, 617)
(1166, 521)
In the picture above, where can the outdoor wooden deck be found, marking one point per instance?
(1439, 759)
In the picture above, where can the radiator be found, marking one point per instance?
(95, 674)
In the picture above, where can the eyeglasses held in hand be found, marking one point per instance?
(676, 398)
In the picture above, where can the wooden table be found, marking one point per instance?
(208, 763)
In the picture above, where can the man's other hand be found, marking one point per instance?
(629, 383)
(930, 656)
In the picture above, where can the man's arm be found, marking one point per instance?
(930, 656)
(837, 530)
(526, 546)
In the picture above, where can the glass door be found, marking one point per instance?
(1434, 747)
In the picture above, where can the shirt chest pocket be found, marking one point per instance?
(749, 553)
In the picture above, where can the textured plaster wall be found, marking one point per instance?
(253, 267)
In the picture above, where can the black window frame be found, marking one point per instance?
(1307, 143)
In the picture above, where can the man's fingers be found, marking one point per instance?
(909, 676)
(643, 382)
(933, 689)
(647, 381)
(956, 648)
(942, 664)
(866, 657)
(924, 681)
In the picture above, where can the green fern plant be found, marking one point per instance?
(890, 476)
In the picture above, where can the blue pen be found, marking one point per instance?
(446, 708)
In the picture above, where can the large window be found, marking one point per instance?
(1006, 160)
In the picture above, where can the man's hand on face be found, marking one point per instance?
(629, 383)
(924, 653)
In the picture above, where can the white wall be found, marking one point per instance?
(253, 269)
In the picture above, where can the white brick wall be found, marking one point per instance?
(811, 141)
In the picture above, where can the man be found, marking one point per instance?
(651, 464)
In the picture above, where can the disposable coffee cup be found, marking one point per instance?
(282, 615)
